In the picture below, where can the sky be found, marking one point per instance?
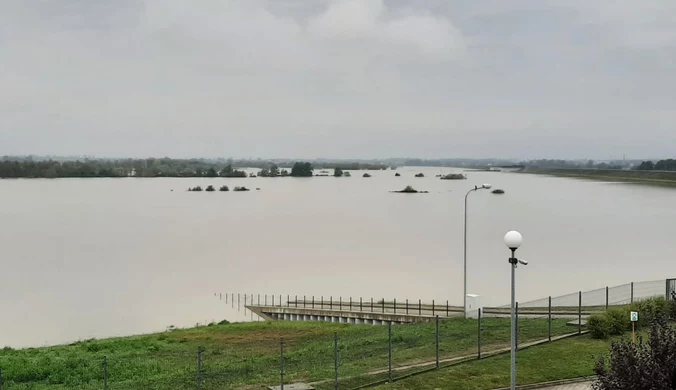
(339, 78)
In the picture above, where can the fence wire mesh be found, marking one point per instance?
(328, 349)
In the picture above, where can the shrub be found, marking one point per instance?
(210, 189)
(645, 365)
(224, 189)
(619, 320)
(599, 326)
(420, 175)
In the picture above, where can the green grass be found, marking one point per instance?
(565, 359)
(246, 355)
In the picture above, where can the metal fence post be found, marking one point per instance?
(479, 334)
(281, 363)
(361, 307)
(105, 374)
(389, 331)
(350, 303)
(371, 305)
(406, 305)
(516, 328)
(287, 300)
(296, 300)
(606, 297)
(579, 313)
(383, 305)
(419, 307)
(395, 305)
(432, 306)
(550, 318)
(335, 358)
(437, 341)
(632, 292)
(199, 368)
(446, 308)
(273, 300)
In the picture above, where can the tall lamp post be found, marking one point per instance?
(513, 240)
(464, 295)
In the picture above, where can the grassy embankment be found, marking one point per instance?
(246, 356)
(661, 178)
(565, 359)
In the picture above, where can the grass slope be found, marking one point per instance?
(565, 359)
(246, 355)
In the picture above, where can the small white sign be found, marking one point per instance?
(634, 316)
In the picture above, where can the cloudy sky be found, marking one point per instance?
(339, 78)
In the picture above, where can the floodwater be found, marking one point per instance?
(83, 258)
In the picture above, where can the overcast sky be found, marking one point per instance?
(338, 78)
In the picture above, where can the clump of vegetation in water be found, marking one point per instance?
(420, 174)
(240, 189)
(366, 175)
(410, 190)
(498, 191)
(210, 189)
(195, 189)
(224, 189)
(454, 176)
(397, 174)
(338, 172)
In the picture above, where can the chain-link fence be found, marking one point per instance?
(320, 348)
(344, 357)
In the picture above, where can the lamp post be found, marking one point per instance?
(513, 240)
(464, 295)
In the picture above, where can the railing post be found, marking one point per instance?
(437, 340)
(313, 301)
(335, 358)
(238, 303)
(287, 300)
(606, 297)
(232, 300)
(579, 313)
(432, 306)
(371, 305)
(340, 303)
(226, 298)
(296, 300)
(105, 373)
(447, 309)
(389, 331)
(419, 307)
(266, 300)
(632, 292)
(199, 368)
(395, 305)
(479, 334)
(280, 300)
(406, 305)
(550, 318)
(383, 305)
(361, 307)
(331, 302)
(259, 299)
(350, 303)
(273, 300)
(281, 363)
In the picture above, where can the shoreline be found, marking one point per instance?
(654, 178)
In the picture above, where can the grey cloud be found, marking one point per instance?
(338, 78)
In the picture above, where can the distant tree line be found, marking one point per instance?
(115, 168)
(662, 165)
